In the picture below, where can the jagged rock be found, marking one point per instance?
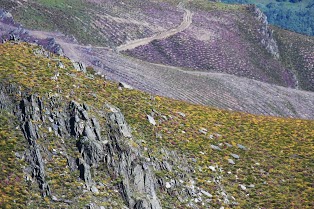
(79, 66)
(267, 39)
(85, 173)
(117, 120)
(54, 47)
(72, 163)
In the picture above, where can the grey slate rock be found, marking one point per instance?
(235, 156)
(241, 147)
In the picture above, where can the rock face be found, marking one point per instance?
(115, 149)
(30, 112)
(267, 39)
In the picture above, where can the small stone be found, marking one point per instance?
(215, 147)
(101, 184)
(151, 120)
(203, 131)
(168, 185)
(206, 194)
(231, 161)
(49, 129)
(125, 85)
(228, 145)
(54, 198)
(242, 147)
(182, 114)
(212, 168)
(242, 187)
(251, 186)
(94, 190)
(235, 156)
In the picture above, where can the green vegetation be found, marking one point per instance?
(295, 15)
(13, 190)
(280, 151)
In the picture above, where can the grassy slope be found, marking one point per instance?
(13, 186)
(280, 151)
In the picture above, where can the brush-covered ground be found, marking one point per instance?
(260, 162)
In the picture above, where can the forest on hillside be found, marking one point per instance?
(295, 15)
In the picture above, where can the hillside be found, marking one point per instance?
(75, 150)
(221, 38)
(294, 15)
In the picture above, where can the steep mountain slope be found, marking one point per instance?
(213, 89)
(78, 151)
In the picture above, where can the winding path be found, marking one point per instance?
(186, 22)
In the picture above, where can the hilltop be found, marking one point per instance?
(72, 148)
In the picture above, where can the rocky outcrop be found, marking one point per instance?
(79, 66)
(30, 112)
(267, 39)
(137, 185)
(115, 149)
(104, 140)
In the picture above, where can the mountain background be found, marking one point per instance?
(294, 15)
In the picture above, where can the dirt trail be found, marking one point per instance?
(186, 22)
